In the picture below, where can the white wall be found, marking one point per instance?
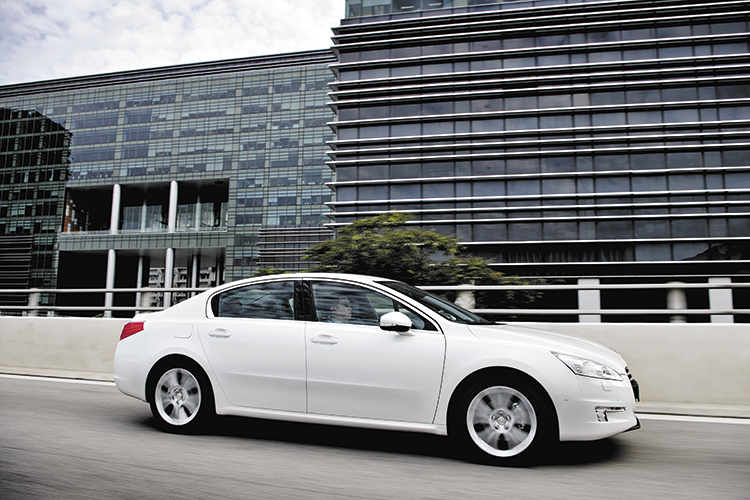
(66, 347)
(699, 363)
(674, 363)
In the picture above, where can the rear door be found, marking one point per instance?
(255, 344)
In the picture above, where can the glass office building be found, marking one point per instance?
(34, 159)
(553, 137)
(180, 169)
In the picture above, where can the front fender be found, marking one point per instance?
(538, 364)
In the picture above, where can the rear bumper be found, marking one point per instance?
(129, 366)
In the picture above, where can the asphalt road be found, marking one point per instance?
(86, 440)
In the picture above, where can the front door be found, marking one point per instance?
(355, 369)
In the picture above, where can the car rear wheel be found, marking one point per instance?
(502, 423)
(181, 399)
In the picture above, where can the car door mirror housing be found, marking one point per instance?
(395, 322)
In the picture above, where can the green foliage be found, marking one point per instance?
(384, 246)
(476, 271)
(267, 271)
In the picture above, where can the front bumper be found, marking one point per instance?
(634, 384)
(604, 408)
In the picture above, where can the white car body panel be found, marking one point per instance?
(369, 377)
(259, 363)
(374, 373)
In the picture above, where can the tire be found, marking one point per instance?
(502, 423)
(181, 398)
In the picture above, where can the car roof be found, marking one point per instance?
(360, 278)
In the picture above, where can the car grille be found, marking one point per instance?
(634, 385)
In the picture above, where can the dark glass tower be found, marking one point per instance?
(579, 138)
(34, 163)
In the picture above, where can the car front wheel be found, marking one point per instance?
(181, 399)
(502, 423)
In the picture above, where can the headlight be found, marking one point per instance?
(587, 367)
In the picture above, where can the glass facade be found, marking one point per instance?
(196, 159)
(356, 8)
(34, 162)
(550, 136)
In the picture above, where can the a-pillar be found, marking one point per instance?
(589, 300)
(721, 299)
(114, 221)
(110, 283)
(168, 275)
(172, 216)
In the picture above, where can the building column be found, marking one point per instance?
(172, 216)
(195, 273)
(114, 221)
(219, 269)
(466, 298)
(110, 283)
(33, 301)
(720, 299)
(198, 214)
(144, 218)
(168, 275)
(677, 299)
(589, 300)
(139, 281)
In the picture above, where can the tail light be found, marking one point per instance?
(130, 329)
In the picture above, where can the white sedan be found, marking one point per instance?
(370, 352)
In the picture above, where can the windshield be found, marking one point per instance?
(444, 308)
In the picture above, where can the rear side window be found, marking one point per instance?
(273, 300)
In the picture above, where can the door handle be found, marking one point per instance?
(325, 339)
(220, 332)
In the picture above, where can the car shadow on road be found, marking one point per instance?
(407, 443)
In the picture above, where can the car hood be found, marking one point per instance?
(557, 342)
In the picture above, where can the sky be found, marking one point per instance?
(50, 39)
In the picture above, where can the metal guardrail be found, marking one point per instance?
(678, 312)
(643, 286)
(45, 291)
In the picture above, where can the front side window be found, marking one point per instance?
(355, 305)
(444, 308)
(273, 300)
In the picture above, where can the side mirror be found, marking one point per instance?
(395, 322)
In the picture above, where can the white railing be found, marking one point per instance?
(588, 299)
(675, 304)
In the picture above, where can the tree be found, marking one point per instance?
(384, 246)
(267, 271)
